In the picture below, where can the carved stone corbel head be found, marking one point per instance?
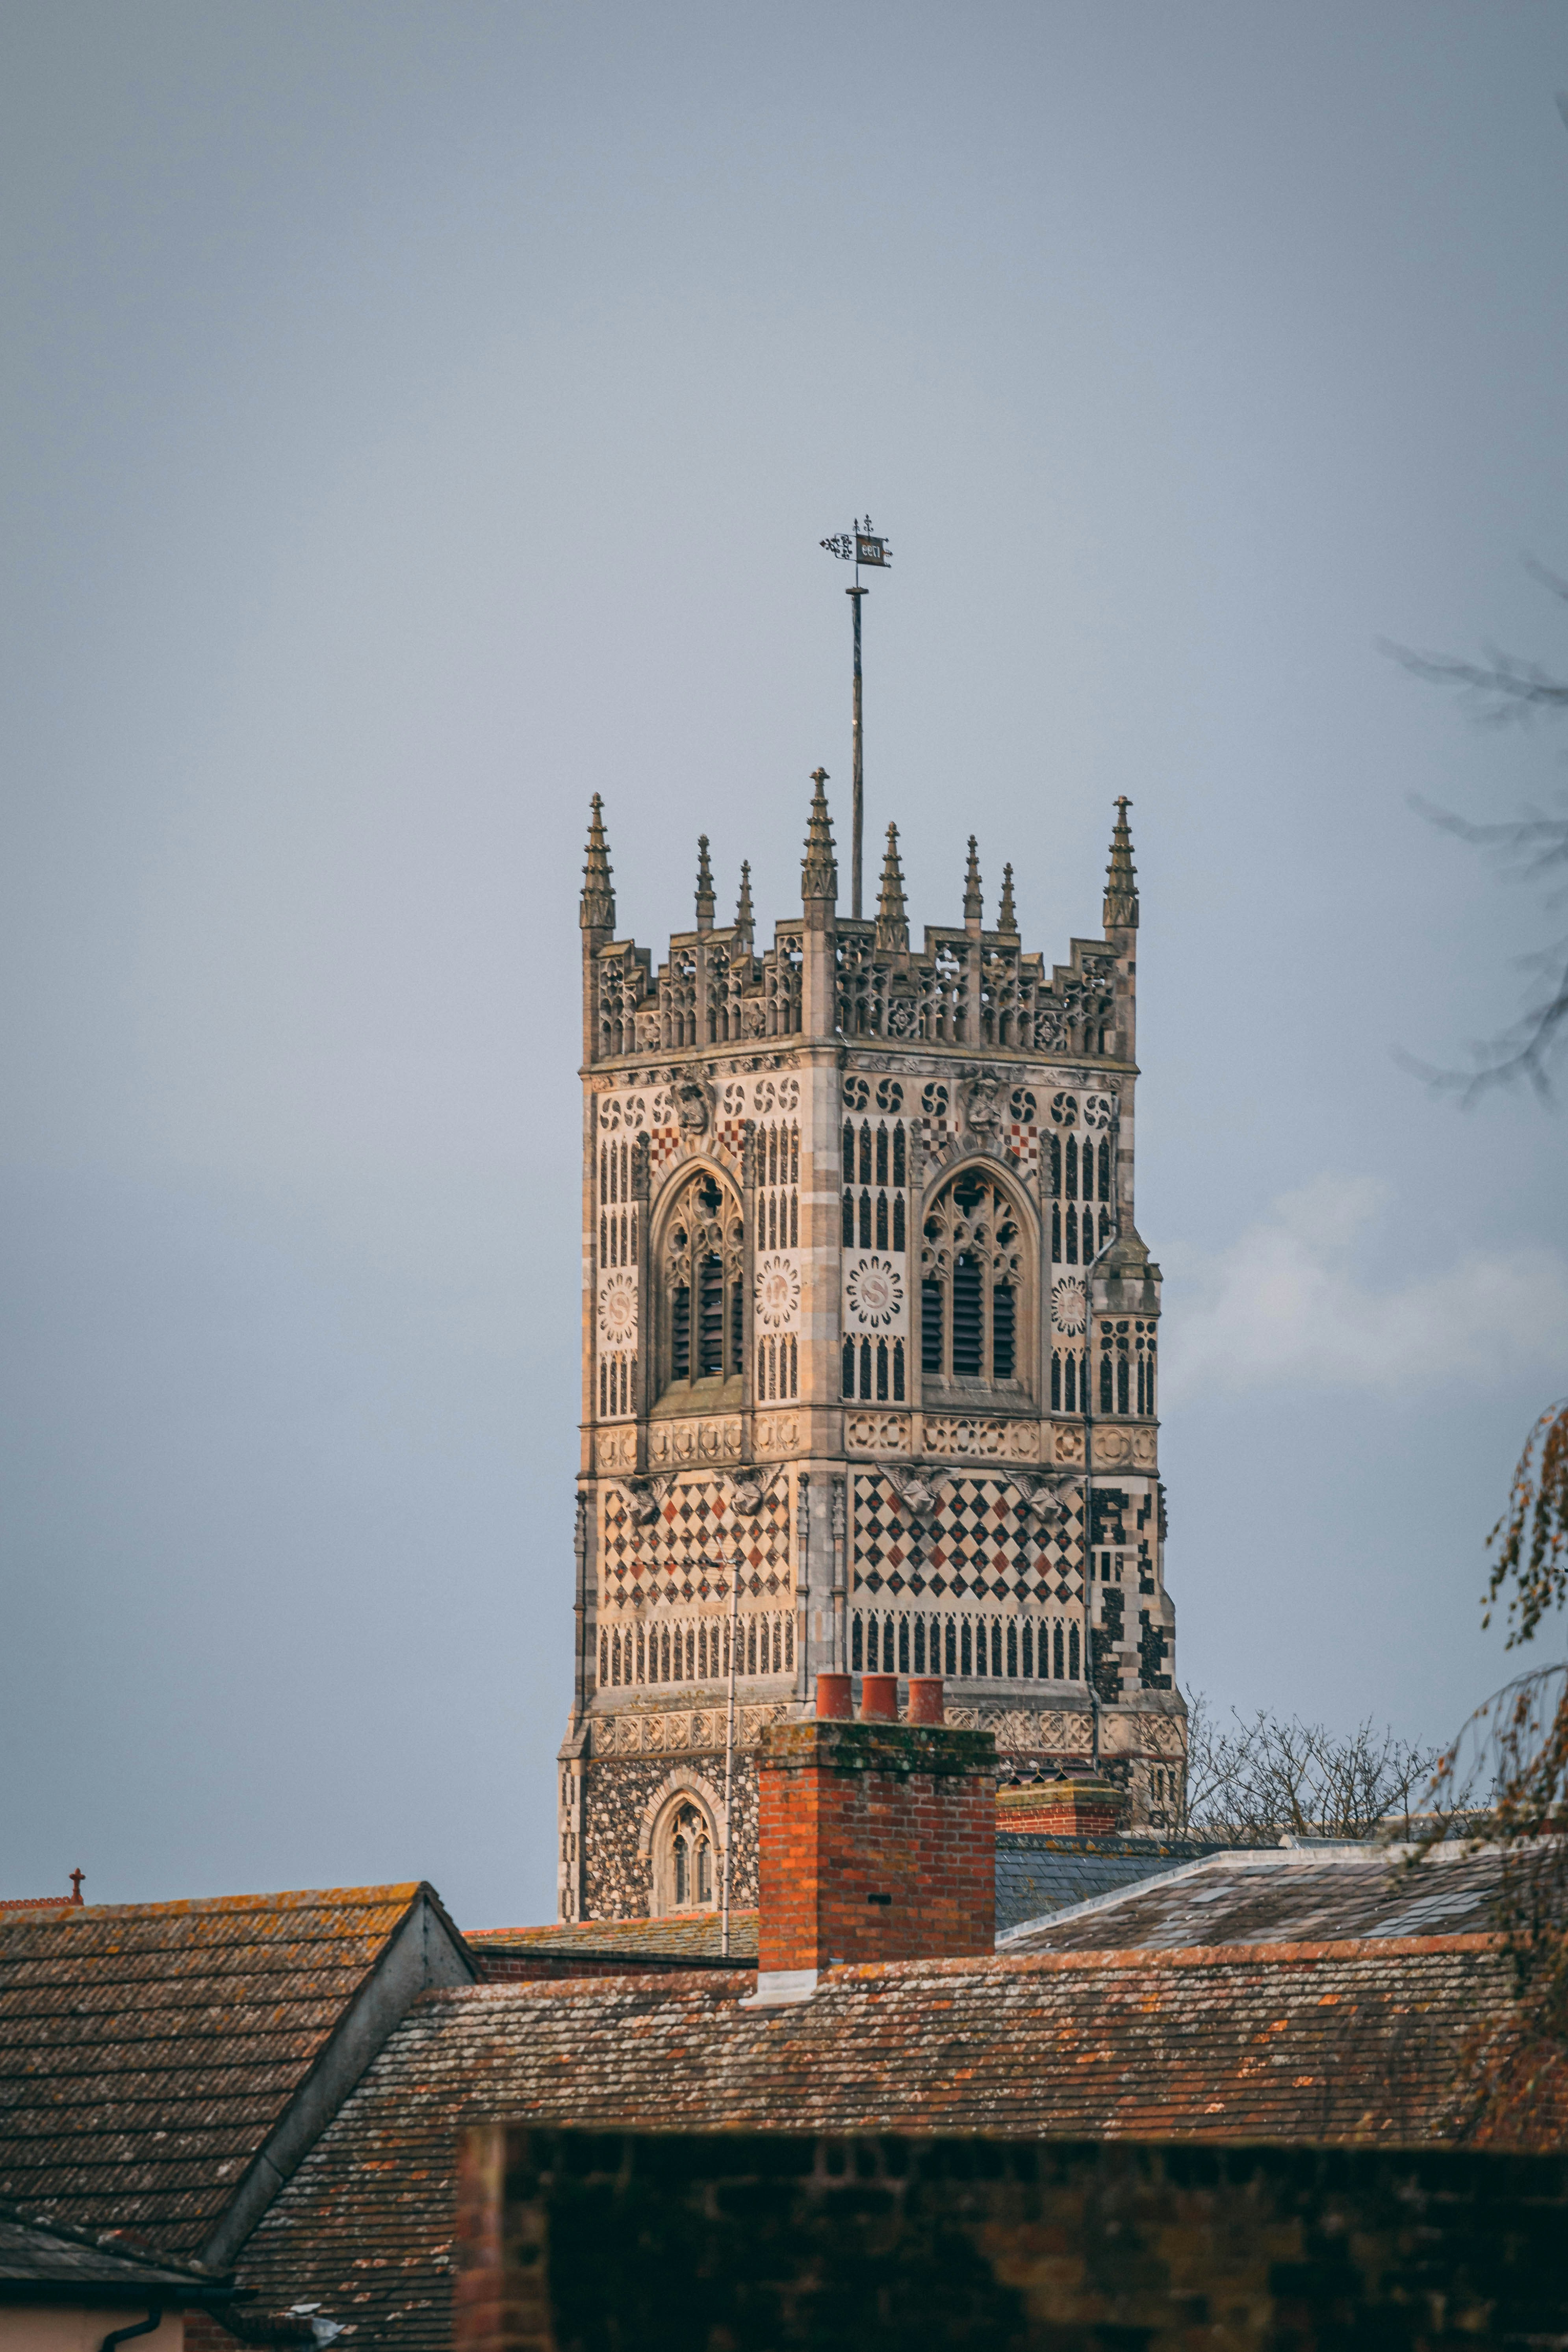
(645, 1497)
(693, 1109)
(913, 1486)
(749, 1490)
(982, 1110)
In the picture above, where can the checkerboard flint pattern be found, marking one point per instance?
(688, 1552)
(1020, 1140)
(974, 1541)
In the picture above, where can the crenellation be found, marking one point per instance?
(869, 1351)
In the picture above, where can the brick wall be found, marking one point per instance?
(877, 1841)
(779, 2240)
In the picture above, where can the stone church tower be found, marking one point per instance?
(868, 1358)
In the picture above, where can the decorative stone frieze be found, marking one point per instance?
(876, 1432)
(671, 1442)
(615, 1449)
(1010, 1441)
(646, 1732)
(777, 1433)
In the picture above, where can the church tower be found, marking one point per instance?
(869, 1359)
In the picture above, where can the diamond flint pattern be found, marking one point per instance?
(697, 1530)
(971, 1542)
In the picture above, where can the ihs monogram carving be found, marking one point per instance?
(874, 1293)
(618, 1310)
(1069, 1309)
(778, 1292)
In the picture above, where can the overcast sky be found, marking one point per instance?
(417, 418)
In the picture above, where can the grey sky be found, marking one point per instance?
(417, 418)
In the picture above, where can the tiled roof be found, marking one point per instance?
(1273, 1896)
(36, 2252)
(1342, 2043)
(147, 2048)
(1037, 1875)
(675, 1940)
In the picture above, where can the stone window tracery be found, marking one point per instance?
(1127, 1353)
(617, 1301)
(697, 1649)
(875, 1168)
(973, 1284)
(703, 1309)
(964, 1646)
(684, 1874)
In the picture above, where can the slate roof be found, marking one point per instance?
(1275, 1895)
(62, 2264)
(1343, 2042)
(692, 1938)
(1036, 1873)
(146, 2050)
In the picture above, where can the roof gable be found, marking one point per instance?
(150, 2052)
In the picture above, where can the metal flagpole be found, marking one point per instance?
(860, 801)
(858, 546)
(1105, 1247)
(730, 1760)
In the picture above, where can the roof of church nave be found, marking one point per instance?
(679, 1939)
(1345, 2042)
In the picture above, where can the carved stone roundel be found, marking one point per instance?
(778, 1292)
(618, 1310)
(1067, 1307)
(876, 1292)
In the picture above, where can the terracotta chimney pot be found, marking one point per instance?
(879, 1698)
(925, 1698)
(834, 1701)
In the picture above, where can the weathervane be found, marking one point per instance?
(858, 546)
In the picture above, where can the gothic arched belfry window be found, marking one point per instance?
(974, 1301)
(703, 1334)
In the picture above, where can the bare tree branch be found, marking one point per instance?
(1499, 688)
(1531, 847)
(1252, 1782)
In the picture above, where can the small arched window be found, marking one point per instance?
(973, 1285)
(683, 1872)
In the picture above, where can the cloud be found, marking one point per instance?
(1290, 1302)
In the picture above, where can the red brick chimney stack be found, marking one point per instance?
(878, 1839)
